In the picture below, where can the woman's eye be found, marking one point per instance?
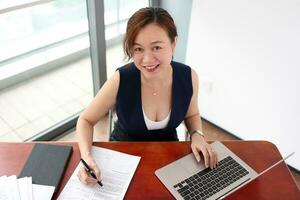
(156, 48)
(138, 49)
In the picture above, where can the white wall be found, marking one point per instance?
(247, 55)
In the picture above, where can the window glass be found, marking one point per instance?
(45, 67)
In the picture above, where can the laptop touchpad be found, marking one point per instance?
(190, 164)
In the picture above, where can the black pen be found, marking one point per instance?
(88, 169)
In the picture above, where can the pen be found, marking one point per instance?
(88, 169)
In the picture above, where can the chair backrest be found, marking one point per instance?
(112, 118)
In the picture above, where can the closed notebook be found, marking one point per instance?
(46, 164)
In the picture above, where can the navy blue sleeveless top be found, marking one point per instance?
(131, 125)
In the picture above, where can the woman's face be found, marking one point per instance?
(152, 51)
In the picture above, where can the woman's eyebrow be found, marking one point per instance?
(137, 44)
(154, 42)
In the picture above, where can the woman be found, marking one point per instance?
(152, 95)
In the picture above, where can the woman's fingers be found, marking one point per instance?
(196, 154)
(206, 156)
(96, 170)
(85, 178)
(210, 156)
(213, 157)
(217, 159)
(82, 175)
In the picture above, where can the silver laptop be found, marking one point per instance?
(185, 178)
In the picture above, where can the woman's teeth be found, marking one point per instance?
(151, 67)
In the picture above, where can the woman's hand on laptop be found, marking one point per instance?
(84, 176)
(199, 144)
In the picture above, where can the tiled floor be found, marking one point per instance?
(43, 101)
(31, 106)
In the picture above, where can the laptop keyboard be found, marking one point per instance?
(206, 183)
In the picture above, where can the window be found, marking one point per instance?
(45, 65)
(45, 70)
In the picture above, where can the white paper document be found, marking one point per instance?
(117, 170)
(12, 188)
(44, 192)
(4, 190)
(23, 188)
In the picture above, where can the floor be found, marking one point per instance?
(31, 106)
(211, 131)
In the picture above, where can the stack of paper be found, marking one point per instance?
(117, 170)
(12, 188)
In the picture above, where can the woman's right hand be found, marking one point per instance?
(84, 176)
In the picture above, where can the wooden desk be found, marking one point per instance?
(276, 184)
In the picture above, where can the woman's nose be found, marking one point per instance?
(148, 56)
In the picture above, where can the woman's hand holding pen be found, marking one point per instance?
(199, 144)
(84, 176)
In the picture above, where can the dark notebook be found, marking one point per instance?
(46, 164)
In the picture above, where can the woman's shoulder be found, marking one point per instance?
(128, 70)
(127, 67)
(128, 73)
(181, 69)
(180, 65)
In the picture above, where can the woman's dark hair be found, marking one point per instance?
(143, 17)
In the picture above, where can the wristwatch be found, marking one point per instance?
(197, 132)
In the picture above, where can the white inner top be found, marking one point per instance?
(152, 125)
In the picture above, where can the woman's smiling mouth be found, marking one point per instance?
(151, 68)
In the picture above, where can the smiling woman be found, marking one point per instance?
(152, 51)
(152, 95)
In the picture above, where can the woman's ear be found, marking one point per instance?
(174, 43)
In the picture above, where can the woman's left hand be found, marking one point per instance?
(199, 144)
